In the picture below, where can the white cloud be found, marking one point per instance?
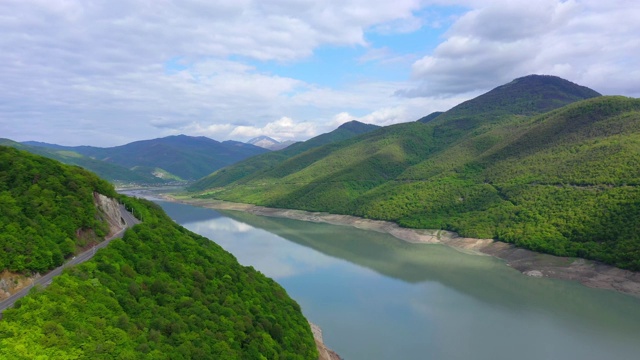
(145, 69)
(284, 128)
(590, 42)
(106, 72)
(341, 118)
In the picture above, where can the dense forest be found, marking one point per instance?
(526, 163)
(160, 292)
(46, 211)
(108, 171)
(176, 157)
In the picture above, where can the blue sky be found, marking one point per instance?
(391, 55)
(387, 55)
(108, 72)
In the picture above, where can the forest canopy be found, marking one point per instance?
(160, 292)
(44, 208)
(564, 182)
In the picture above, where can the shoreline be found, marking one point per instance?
(530, 263)
(324, 352)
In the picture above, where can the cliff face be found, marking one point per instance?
(324, 352)
(109, 211)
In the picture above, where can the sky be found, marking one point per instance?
(109, 72)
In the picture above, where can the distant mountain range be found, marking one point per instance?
(269, 143)
(105, 170)
(172, 158)
(540, 162)
(278, 161)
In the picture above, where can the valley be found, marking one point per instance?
(378, 297)
(588, 273)
(319, 180)
(541, 174)
(539, 162)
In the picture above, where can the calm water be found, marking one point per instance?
(377, 297)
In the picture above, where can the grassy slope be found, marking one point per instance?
(162, 292)
(322, 177)
(563, 182)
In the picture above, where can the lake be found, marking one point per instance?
(377, 297)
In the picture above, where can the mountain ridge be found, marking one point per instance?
(482, 169)
(180, 156)
(107, 171)
(273, 160)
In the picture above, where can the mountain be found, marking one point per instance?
(282, 145)
(263, 142)
(528, 95)
(540, 162)
(276, 161)
(47, 211)
(177, 157)
(269, 143)
(522, 97)
(108, 171)
(160, 292)
(433, 115)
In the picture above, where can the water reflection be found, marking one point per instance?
(259, 248)
(482, 277)
(377, 297)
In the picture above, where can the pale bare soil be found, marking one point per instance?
(323, 350)
(530, 263)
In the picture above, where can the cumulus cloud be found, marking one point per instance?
(283, 129)
(403, 111)
(587, 41)
(341, 118)
(152, 68)
(106, 72)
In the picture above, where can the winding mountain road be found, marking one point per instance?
(46, 279)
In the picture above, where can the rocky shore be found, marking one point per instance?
(530, 263)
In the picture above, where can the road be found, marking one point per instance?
(46, 279)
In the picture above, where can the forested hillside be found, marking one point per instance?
(161, 292)
(499, 166)
(108, 171)
(178, 157)
(47, 211)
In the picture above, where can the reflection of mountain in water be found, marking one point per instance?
(484, 278)
(183, 214)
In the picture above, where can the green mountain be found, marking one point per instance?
(521, 98)
(161, 292)
(173, 157)
(47, 211)
(539, 162)
(266, 164)
(108, 171)
(433, 115)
